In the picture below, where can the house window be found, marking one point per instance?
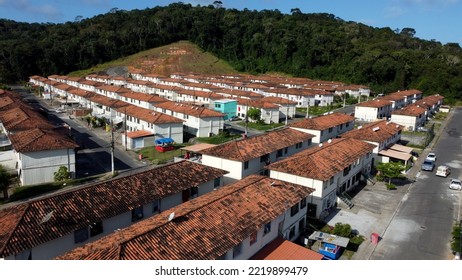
(330, 129)
(96, 228)
(265, 158)
(156, 206)
(292, 232)
(246, 165)
(286, 150)
(346, 170)
(301, 226)
(294, 210)
(341, 126)
(194, 192)
(253, 238)
(237, 250)
(267, 228)
(216, 182)
(347, 124)
(331, 180)
(303, 203)
(298, 145)
(279, 153)
(137, 214)
(80, 235)
(186, 116)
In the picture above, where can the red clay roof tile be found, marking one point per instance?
(323, 122)
(256, 146)
(323, 162)
(369, 132)
(203, 228)
(22, 227)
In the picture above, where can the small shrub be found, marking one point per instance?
(390, 186)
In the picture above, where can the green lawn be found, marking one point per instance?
(319, 110)
(218, 139)
(157, 157)
(261, 127)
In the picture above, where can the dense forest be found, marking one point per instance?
(317, 46)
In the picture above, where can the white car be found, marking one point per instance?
(431, 156)
(443, 171)
(455, 184)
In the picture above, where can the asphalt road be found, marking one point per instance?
(421, 228)
(94, 157)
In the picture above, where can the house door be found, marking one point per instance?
(311, 210)
(185, 195)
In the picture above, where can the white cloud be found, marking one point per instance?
(394, 11)
(49, 12)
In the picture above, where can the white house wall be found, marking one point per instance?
(39, 167)
(366, 113)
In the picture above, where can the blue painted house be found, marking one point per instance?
(228, 107)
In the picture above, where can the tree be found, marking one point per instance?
(254, 114)
(391, 170)
(5, 180)
(62, 174)
(456, 238)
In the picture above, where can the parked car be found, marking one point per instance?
(455, 184)
(235, 118)
(428, 165)
(443, 171)
(431, 156)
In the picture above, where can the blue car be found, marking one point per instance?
(428, 165)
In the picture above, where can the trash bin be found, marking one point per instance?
(375, 238)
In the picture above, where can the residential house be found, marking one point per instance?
(250, 155)
(198, 121)
(46, 227)
(158, 125)
(228, 107)
(410, 117)
(432, 103)
(373, 110)
(325, 127)
(331, 168)
(269, 112)
(411, 95)
(224, 225)
(383, 134)
(287, 108)
(40, 153)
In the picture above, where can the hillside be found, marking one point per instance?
(179, 57)
(316, 46)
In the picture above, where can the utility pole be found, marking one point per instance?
(344, 98)
(112, 148)
(125, 128)
(308, 108)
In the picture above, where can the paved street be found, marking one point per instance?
(415, 221)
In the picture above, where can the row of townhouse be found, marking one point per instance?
(46, 227)
(197, 120)
(178, 211)
(402, 107)
(36, 148)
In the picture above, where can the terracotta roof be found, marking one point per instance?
(369, 132)
(278, 100)
(245, 149)
(22, 227)
(36, 140)
(148, 115)
(376, 103)
(202, 228)
(107, 101)
(191, 110)
(199, 93)
(256, 103)
(430, 100)
(114, 89)
(410, 110)
(323, 122)
(22, 118)
(139, 133)
(323, 162)
(237, 93)
(409, 92)
(281, 249)
(151, 98)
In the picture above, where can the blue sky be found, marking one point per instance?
(440, 20)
